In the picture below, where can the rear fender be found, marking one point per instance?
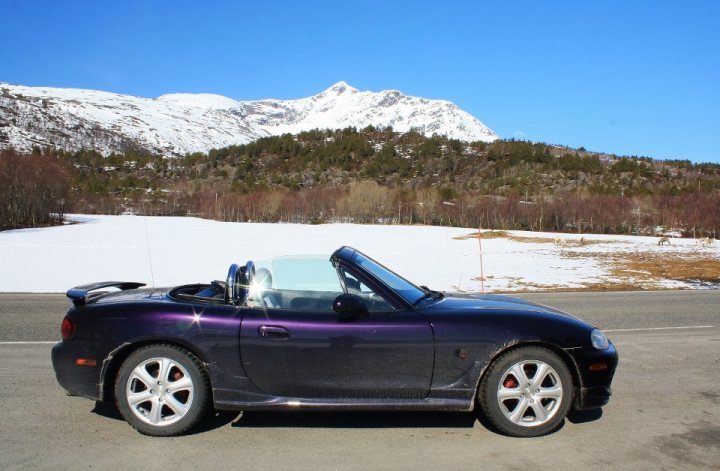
(114, 360)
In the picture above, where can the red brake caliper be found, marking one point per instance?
(510, 383)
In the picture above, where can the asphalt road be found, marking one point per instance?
(665, 412)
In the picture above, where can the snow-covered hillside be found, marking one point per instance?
(188, 250)
(179, 123)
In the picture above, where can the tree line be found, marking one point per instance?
(367, 202)
(376, 175)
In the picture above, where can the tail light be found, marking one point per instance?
(67, 329)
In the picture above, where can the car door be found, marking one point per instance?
(302, 348)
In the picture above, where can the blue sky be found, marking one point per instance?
(629, 77)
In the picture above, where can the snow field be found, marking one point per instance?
(189, 250)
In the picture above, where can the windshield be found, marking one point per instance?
(408, 291)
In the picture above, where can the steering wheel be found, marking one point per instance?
(237, 284)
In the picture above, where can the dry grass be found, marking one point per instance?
(636, 272)
(625, 271)
(485, 235)
(506, 235)
(532, 240)
(692, 268)
(578, 242)
(516, 284)
(648, 270)
(598, 286)
(567, 241)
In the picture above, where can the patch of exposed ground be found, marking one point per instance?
(561, 240)
(650, 270)
(690, 268)
(506, 235)
(609, 285)
(485, 235)
(624, 268)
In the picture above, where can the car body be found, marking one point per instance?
(337, 333)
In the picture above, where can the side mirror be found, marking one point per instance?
(351, 306)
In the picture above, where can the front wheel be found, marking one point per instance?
(162, 390)
(526, 392)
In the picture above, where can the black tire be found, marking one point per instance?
(536, 407)
(174, 402)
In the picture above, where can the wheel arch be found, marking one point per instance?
(560, 352)
(115, 359)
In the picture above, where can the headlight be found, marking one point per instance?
(599, 339)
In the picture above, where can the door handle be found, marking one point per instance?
(271, 331)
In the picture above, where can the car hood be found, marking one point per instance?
(491, 302)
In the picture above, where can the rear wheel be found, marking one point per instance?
(162, 390)
(526, 392)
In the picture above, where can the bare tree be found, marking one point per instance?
(427, 200)
(34, 190)
(366, 201)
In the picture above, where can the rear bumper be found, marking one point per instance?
(76, 380)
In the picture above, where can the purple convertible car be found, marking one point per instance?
(327, 333)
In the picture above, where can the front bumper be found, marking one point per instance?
(592, 398)
(596, 369)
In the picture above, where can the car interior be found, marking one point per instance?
(258, 290)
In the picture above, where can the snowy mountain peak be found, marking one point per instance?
(341, 87)
(179, 123)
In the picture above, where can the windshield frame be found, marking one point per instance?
(408, 291)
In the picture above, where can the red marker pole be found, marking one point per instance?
(482, 275)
